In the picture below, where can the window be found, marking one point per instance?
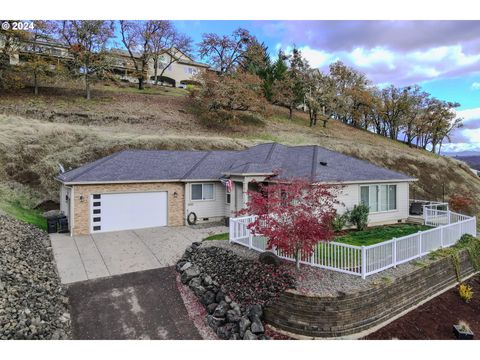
(228, 198)
(202, 191)
(379, 197)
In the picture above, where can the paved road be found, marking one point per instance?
(141, 305)
(86, 257)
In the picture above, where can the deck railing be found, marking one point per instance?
(448, 228)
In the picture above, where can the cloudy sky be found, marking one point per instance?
(442, 56)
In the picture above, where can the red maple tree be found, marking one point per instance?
(293, 216)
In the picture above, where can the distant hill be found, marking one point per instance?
(472, 160)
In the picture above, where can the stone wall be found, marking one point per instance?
(81, 224)
(353, 313)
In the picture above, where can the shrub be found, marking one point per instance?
(466, 293)
(359, 216)
(340, 221)
(461, 204)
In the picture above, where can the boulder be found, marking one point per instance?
(189, 274)
(257, 326)
(221, 309)
(185, 266)
(226, 331)
(196, 285)
(211, 307)
(207, 280)
(215, 322)
(220, 296)
(207, 298)
(233, 316)
(255, 311)
(243, 325)
(269, 258)
(249, 336)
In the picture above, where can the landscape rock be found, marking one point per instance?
(189, 274)
(257, 326)
(244, 325)
(186, 265)
(211, 307)
(233, 316)
(220, 296)
(33, 302)
(215, 322)
(249, 336)
(221, 309)
(255, 311)
(269, 258)
(207, 298)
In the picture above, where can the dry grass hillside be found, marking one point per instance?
(37, 133)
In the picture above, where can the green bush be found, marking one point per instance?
(340, 221)
(359, 216)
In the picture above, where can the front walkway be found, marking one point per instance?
(85, 257)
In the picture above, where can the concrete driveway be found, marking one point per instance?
(140, 305)
(85, 257)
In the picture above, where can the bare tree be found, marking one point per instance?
(225, 53)
(138, 38)
(87, 41)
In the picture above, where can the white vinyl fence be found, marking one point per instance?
(367, 260)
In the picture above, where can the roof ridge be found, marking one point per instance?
(100, 162)
(196, 165)
(314, 162)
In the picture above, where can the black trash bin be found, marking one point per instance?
(52, 224)
(63, 224)
(227, 221)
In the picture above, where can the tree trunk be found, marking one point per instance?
(87, 87)
(35, 83)
(297, 259)
(290, 112)
(155, 71)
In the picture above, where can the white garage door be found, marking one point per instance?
(114, 212)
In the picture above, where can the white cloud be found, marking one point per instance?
(475, 86)
(457, 147)
(469, 114)
(317, 58)
(473, 135)
(368, 58)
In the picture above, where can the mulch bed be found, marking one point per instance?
(434, 319)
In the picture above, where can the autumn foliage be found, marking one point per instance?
(461, 204)
(293, 216)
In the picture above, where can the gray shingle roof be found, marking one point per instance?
(310, 161)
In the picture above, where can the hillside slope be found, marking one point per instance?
(38, 133)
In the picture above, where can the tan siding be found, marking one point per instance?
(82, 208)
(211, 209)
(350, 196)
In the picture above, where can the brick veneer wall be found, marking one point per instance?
(176, 205)
(352, 313)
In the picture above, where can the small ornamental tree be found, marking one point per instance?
(293, 216)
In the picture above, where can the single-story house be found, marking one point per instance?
(135, 189)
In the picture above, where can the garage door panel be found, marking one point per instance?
(125, 211)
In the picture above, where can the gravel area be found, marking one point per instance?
(322, 282)
(33, 303)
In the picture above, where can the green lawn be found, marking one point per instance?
(26, 215)
(223, 236)
(379, 234)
